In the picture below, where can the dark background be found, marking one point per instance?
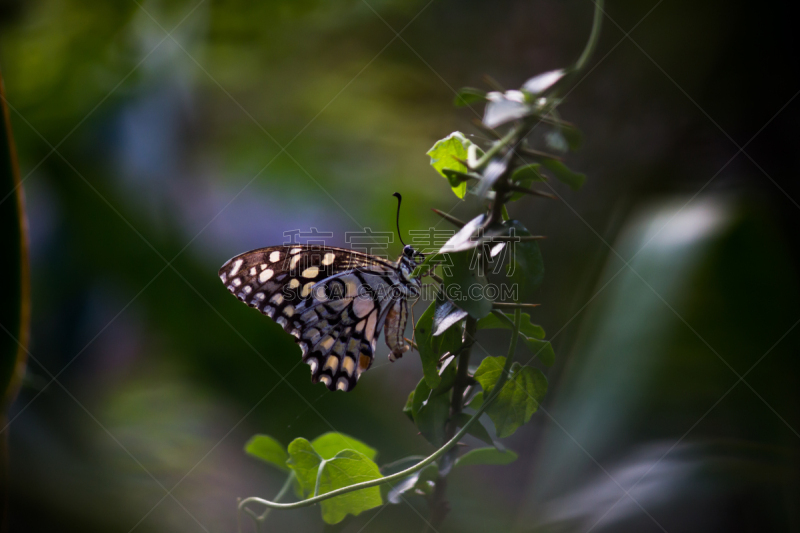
(148, 162)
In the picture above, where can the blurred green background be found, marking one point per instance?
(151, 134)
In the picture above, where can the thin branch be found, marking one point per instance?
(449, 218)
(594, 36)
(530, 152)
(532, 192)
(515, 238)
(512, 305)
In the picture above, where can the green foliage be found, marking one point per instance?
(430, 407)
(494, 321)
(477, 430)
(469, 284)
(449, 154)
(469, 95)
(527, 268)
(531, 334)
(518, 399)
(431, 346)
(574, 179)
(329, 444)
(269, 450)
(486, 456)
(318, 475)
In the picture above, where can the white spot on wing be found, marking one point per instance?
(274, 257)
(294, 251)
(265, 275)
(236, 266)
(328, 259)
(310, 272)
(306, 289)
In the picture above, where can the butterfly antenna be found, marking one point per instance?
(399, 201)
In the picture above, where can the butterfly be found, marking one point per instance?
(334, 302)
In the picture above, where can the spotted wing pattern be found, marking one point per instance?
(332, 300)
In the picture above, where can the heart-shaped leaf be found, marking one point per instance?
(447, 154)
(486, 456)
(519, 397)
(329, 444)
(320, 476)
(269, 450)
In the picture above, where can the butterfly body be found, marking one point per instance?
(334, 302)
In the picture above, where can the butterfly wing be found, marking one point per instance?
(325, 297)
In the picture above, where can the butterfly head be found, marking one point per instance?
(409, 261)
(413, 257)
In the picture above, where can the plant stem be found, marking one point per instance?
(594, 36)
(438, 501)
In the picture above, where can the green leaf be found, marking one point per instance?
(575, 180)
(486, 456)
(430, 411)
(423, 332)
(433, 344)
(467, 286)
(347, 468)
(527, 269)
(15, 302)
(526, 174)
(269, 450)
(528, 329)
(304, 461)
(477, 430)
(519, 398)
(458, 180)
(469, 95)
(329, 444)
(573, 136)
(531, 334)
(448, 153)
(408, 407)
(476, 402)
(541, 349)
